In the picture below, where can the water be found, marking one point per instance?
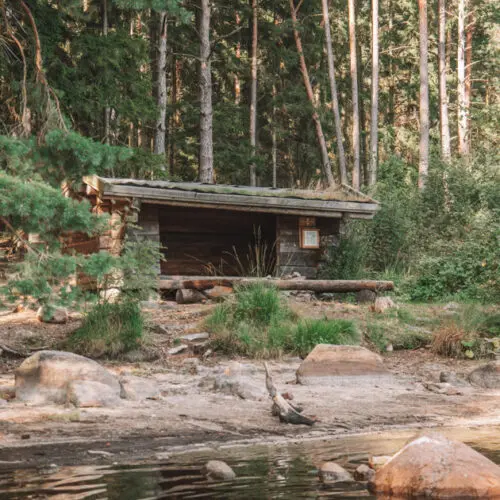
(272, 471)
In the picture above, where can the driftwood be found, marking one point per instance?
(201, 283)
(281, 407)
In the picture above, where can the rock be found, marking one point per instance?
(486, 376)
(377, 462)
(241, 386)
(366, 297)
(90, 394)
(177, 350)
(364, 473)
(189, 297)
(435, 467)
(44, 377)
(389, 348)
(451, 306)
(218, 470)
(442, 388)
(56, 315)
(330, 363)
(140, 355)
(100, 453)
(218, 293)
(195, 337)
(451, 378)
(330, 472)
(382, 304)
(138, 388)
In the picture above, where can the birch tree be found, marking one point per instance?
(253, 93)
(443, 93)
(206, 172)
(327, 168)
(161, 86)
(334, 94)
(374, 97)
(355, 98)
(423, 167)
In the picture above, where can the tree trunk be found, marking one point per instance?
(253, 93)
(468, 75)
(107, 110)
(327, 168)
(333, 90)
(355, 99)
(206, 111)
(461, 90)
(237, 86)
(423, 167)
(161, 87)
(374, 101)
(274, 146)
(443, 93)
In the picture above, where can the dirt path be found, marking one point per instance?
(191, 413)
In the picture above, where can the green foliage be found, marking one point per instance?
(309, 333)
(109, 330)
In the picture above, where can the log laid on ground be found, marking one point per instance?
(187, 296)
(201, 283)
(286, 412)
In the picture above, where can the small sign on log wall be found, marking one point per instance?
(307, 221)
(309, 237)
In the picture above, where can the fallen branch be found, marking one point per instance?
(12, 352)
(286, 412)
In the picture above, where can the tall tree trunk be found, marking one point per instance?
(107, 110)
(161, 87)
(206, 111)
(237, 86)
(327, 168)
(423, 167)
(355, 98)
(374, 101)
(274, 145)
(176, 117)
(333, 90)
(468, 75)
(443, 93)
(253, 93)
(461, 90)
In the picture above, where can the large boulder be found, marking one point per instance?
(45, 377)
(137, 388)
(487, 376)
(90, 394)
(330, 363)
(218, 470)
(435, 467)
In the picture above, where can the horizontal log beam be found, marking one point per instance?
(205, 283)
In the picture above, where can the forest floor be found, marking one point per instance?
(190, 414)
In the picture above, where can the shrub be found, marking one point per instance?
(310, 332)
(109, 330)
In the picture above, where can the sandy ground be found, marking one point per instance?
(190, 414)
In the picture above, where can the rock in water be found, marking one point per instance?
(218, 470)
(137, 388)
(44, 378)
(330, 472)
(487, 376)
(330, 363)
(56, 315)
(435, 467)
(364, 473)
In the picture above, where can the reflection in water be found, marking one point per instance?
(262, 472)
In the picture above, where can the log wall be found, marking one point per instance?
(306, 261)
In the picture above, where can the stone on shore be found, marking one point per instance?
(432, 466)
(56, 315)
(486, 376)
(364, 473)
(218, 470)
(90, 394)
(330, 363)
(330, 472)
(138, 388)
(44, 377)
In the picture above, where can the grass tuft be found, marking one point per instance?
(109, 330)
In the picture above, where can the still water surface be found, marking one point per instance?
(273, 471)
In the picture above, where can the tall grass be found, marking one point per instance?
(258, 323)
(109, 330)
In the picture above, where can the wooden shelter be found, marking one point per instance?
(205, 227)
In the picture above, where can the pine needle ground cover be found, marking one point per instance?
(258, 323)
